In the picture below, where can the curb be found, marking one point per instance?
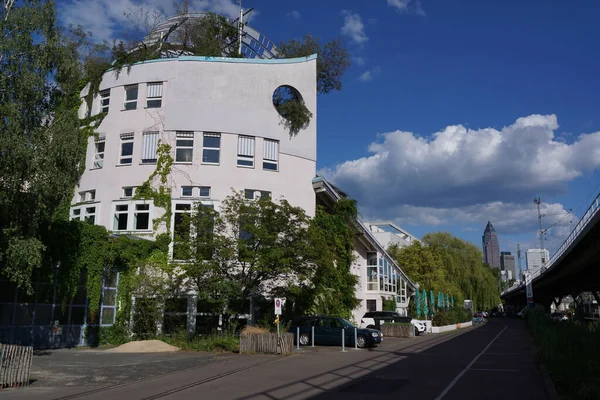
(548, 383)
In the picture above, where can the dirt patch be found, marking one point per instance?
(253, 329)
(144, 346)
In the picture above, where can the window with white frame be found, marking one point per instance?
(253, 194)
(110, 283)
(149, 146)
(154, 96)
(85, 213)
(245, 156)
(128, 191)
(126, 155)
(372, 277)
(132, 216)
(211, 148)
(271, 155)
(204, 191)
(88, 195)
(187, 191)
(131, 96)
(184, 147)
(99, 147)
(104, 100)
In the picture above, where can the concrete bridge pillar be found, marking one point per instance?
(578, 299)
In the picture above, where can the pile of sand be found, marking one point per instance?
(144, 346)
(253, 329)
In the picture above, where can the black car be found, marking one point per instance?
(328, 331)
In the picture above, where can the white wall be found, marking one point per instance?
(227, 96)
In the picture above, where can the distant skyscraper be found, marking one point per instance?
(507, 263)
(491, 246)
(534, 259)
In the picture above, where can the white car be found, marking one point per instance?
(374, 320)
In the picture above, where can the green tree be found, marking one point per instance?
(41, 142)
(246, 249)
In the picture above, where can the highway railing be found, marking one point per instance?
(579, 227)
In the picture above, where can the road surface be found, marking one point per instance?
(492, 361)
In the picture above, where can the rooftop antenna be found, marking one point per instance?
(240, 27)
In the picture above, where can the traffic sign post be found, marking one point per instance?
(278, 304)
(529, 290)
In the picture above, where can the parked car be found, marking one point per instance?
(558, 316)
(328, 331)
(374, 320)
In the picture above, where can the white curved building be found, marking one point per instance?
(218, 116)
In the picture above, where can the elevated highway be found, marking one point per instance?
(573, 269)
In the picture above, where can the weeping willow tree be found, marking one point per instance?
(451, 265)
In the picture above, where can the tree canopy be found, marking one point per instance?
(447, 264)
(41, 143)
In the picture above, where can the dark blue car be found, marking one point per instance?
(328, 331)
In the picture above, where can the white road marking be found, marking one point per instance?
(451, 385)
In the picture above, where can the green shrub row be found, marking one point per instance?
(451, 316)
(570, 351)
(216, 342)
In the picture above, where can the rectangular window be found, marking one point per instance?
(121, 216)
(132, 216)
(90, 215)
(245, 156)
(149, 146)
(371, 305)
(181, 231)
(372, 278)
(126, 149)
(89, 195)
(204, 191)
(141, 217)
(211, 148)
(84, 213)
(128, 191)
(99, 152)
(110, 284)
(253, 194)
(184, 147)
(271, 155)
(131, 95)
(104, 100)
(154, 97)
(187, 191)
(372, 258)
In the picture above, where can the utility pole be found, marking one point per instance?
(240, 28)
(538, 201)
(519, 261)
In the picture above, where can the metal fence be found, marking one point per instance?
(15, 365)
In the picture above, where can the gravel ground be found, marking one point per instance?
(75, 367)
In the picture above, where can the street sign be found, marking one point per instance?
(528, 289)
(278, 306)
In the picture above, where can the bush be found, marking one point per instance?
(215, 342)
(570, 351)
(451, 316)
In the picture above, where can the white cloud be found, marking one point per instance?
(353, 27)
(294, 14)
(360, 61)
(460, 175)
(407, 6)
(106, 19)
(368, 75)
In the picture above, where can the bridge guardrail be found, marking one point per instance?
(585, 219)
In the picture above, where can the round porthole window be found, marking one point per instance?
(288, 102)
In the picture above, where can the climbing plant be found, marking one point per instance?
(157, 188)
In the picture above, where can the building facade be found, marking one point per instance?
(536, 258)
(491, 246)
(507, 264)
(378, 275)
(218, 116)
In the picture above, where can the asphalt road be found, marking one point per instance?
(493, 361)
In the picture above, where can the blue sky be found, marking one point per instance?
(453, 112)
